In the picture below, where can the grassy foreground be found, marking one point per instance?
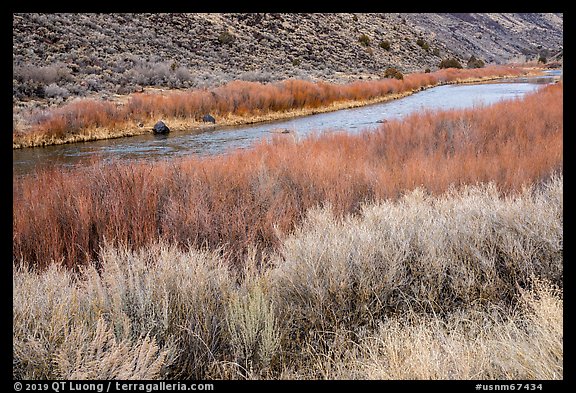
(463, 285)
(237, 102)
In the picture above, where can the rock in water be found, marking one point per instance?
(160, 128)
(208, 119)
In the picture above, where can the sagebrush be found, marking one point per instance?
(465, 285)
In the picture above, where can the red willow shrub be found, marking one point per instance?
(240, 98)
(244, 200)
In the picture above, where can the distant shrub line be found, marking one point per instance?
(239, 98)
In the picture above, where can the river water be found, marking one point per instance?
(221, 139)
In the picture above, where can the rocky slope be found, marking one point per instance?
(59, 56)
(495, 37)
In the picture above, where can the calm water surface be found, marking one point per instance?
(220, 139)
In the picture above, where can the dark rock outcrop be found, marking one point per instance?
(208, 119)
(160, 128)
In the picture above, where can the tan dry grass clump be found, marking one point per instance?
(422, 254)
(253, 330)
(95, 353)
(156, 313)
(156, 297)
(484, 343)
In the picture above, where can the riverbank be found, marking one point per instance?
(245, 192)
(236, 103)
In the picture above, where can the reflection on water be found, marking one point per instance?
(220, 139)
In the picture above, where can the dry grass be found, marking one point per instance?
(176, 298)
(464, 285)
(250, 198)
(91, 353)
(422, 254)
(525, 343)
(89, 119)
(253, 330)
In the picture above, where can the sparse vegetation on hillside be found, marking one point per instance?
(106, 54)
(226, 38)
(422, 44)
(384, 45)
(364, 40)
(542, 59)
(392, 72)
(100, 55)
(473, 62)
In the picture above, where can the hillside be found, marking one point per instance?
(59, 56)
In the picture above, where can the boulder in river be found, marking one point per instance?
(281, 131)
(160, 128)
(208, 119)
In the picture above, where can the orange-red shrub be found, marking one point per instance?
(246, 198)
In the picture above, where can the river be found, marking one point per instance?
(220, 139)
